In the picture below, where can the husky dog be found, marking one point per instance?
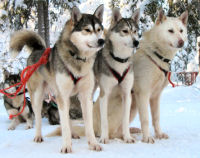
(50, 110)
(68, 71)
(14, 106)
(151, 66)
(113, 67)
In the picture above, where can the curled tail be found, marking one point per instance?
(25, 37)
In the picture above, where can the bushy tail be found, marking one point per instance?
(76, 130)
(25, 37)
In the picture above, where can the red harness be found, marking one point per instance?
(116, 74)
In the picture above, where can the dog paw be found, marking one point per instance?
(28, 127)
(129, 140)
(66, 150)
(38, 139)
(149, 140)
(135, 130)
(11, 128)
(104, 140)
(95, 147)
(162, 136)
(75, 136)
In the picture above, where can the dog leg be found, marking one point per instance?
(155, 112)
(28, 117)
(104, 117)
(37, 99)
(15, 121)
(87, 109)
(125, 120)
(63, 106)
(126, 106)
(142, 102)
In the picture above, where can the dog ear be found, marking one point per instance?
(6, 74)
(161, 17)
(116, 16)
(136, 15)
(76, 14)
(99, 12)
(184, 17)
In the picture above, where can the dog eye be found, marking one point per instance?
(135, 31)
(87, 30)
(98, 30)
(125, 31)
(171, 31)
(181, 31)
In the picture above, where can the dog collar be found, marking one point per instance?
(76, 57)
(162, 58)
(118, 59)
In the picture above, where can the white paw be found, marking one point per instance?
(38, 139)
(11, 128)
(162, 136)
(94, 146)
(29, 126)
(75, 136)
(148, 140)
(104, 140)
(129, 139)
(67, 149)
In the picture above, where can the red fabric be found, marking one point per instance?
(25, 75)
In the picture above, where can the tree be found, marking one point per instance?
(43, 20)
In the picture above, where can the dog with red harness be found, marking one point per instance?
(113, 68)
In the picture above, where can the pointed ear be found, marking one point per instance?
(99, 12)
(184, 17)
(136, 15)
(116, 16)
(6, 74)
(76, 14)
(161, 17)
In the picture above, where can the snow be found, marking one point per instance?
(180, 115)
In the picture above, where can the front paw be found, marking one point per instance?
(162, 136)
(11, 128)
(95, 147)
(66, 150)
(104, 140)
(149, 140)
(38, 139)
(129, 140)
(28, 126)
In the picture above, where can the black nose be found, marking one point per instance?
(136, 43)
(101, 42)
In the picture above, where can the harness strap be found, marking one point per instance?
(163, 70)
(162, 58)
(74, 79)
(11, 106)
(117, 76)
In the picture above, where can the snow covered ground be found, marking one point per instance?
(180, 119)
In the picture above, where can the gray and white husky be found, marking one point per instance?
(14, 106)
(68, 71)
(113, 68)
